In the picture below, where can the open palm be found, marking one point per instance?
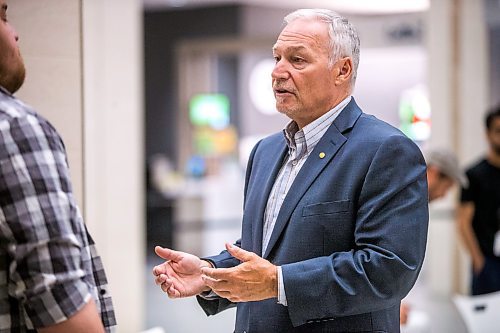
(180, 275)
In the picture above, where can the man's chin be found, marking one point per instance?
(15, 86)
(14, 82)
(285, 109)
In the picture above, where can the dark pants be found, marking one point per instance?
(488, 280)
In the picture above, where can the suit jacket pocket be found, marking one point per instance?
(329, 207)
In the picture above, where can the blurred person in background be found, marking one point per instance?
(479, 213)
(335, 212)
(51, 278)
(443, 172)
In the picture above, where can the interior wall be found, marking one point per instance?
(84, 74)
(53, 83)
(114, 143)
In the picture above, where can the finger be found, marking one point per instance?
(160, 279)
(215, 285)
(163, 280)
(239, 253)
(165, 286)
(167, 254)
(217, 273)
(173, 293)
(229, 295)
(169, 288)
(160, 269)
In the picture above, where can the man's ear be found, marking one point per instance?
(343, 71)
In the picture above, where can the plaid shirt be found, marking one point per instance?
(49, 267)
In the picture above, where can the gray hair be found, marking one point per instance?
(344, 39)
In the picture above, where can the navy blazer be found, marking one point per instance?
(350, 236)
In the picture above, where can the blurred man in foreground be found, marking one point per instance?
(51, 278)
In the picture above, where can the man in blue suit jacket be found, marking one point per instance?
(335, 215)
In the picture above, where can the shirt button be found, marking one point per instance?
(294, 163)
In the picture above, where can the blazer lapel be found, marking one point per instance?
(327, 147)
(269, 171)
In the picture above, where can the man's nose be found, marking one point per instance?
(280, 71)
(14, 32)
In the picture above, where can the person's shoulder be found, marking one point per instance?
(13, 108)
(373, 129)
(272, 140)
(377, 124)
(14, 112)
(21, 125)
(372, 135)
(478, 167)
(275, 137)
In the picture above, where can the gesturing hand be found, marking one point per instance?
(180, 275)
(254, 279)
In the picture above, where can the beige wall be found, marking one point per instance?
(49, 33)
(84, 66)
(114, 190)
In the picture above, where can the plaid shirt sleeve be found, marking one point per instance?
(53, 267)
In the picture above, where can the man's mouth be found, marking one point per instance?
(282, 91)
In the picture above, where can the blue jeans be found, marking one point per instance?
(488, 280)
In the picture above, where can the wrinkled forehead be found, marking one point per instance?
(303, 33)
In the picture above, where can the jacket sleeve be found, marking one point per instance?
(390, 232)
(215, 305)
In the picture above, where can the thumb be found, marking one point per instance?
(239, 253)
(167, 254)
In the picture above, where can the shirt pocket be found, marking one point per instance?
(329, 207)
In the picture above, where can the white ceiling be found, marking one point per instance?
(343, 6)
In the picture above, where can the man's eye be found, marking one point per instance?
(297, 59)
(276, 58)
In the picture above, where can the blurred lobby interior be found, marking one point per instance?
(159, 103)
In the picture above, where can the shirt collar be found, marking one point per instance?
(5, 91)
(314, 130)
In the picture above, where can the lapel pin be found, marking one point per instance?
(322, 155)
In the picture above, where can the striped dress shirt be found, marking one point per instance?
(301, 143)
